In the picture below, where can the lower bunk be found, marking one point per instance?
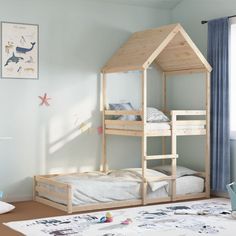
(117, 188)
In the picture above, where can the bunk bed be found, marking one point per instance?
(174, 53)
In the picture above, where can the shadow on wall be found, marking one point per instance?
(78, 148)
(17, 187)
(75, 150)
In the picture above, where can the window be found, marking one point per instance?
(233, 79)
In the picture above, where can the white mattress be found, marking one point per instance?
(155, 127)
(97, 187)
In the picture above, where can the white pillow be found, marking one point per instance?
(154, 185)
(154, 115)
(180, 170)
(5, 207)
(123, 106)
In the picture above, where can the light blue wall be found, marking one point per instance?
(190, 13)
(76, 38)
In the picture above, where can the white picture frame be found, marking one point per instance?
(19, 51)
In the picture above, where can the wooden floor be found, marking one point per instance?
(26, 211)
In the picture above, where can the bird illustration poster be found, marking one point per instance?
(19, 51)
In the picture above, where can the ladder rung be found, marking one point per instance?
(153, 179)
(161, 157)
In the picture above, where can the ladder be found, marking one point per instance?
(173, 157)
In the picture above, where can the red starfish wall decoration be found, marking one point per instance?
(44, 100)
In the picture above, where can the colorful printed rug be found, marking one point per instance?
(206, 217)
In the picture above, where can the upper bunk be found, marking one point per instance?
(171, 51)
(174, 126)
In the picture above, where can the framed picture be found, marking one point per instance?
(19, 51)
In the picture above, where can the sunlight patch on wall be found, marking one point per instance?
(57, 145)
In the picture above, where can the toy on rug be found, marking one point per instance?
(106, 219)
(127, 221)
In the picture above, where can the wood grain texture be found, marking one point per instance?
(169, 46)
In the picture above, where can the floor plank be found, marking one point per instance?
(26, 211)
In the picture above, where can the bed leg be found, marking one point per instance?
(69, 199)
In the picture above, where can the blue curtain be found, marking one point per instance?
(218, 57)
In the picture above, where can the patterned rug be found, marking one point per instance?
(206, 217)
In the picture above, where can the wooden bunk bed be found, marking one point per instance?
(174, 53)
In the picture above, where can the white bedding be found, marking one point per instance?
(120, 185)
(155, 126)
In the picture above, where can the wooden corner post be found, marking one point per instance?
(173, 152)
(164, 108)
(104, 152)
(144, 136)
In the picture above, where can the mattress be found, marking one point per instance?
(155, 127)
(120, 186)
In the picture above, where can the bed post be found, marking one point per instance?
(104, 153)
(173, 152)
(69, 199)
(207, 158)
(144, 137)
(164, 107)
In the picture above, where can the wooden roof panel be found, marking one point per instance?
(179, 55)
(170, 47)
(139, 47)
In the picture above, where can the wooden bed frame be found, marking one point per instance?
(174, 53)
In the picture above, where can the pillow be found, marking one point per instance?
(122, 106)
(180, 170)
(5, 207)
(154, 185)
(154, 115)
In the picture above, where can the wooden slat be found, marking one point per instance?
(122, 122)
(190, 122)
(51, 203)
(50, 182)
(161, 133)
(122, 112)
(161, 157)
(188, 112)
(190, 132)
(124, 132)
(41, 190)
